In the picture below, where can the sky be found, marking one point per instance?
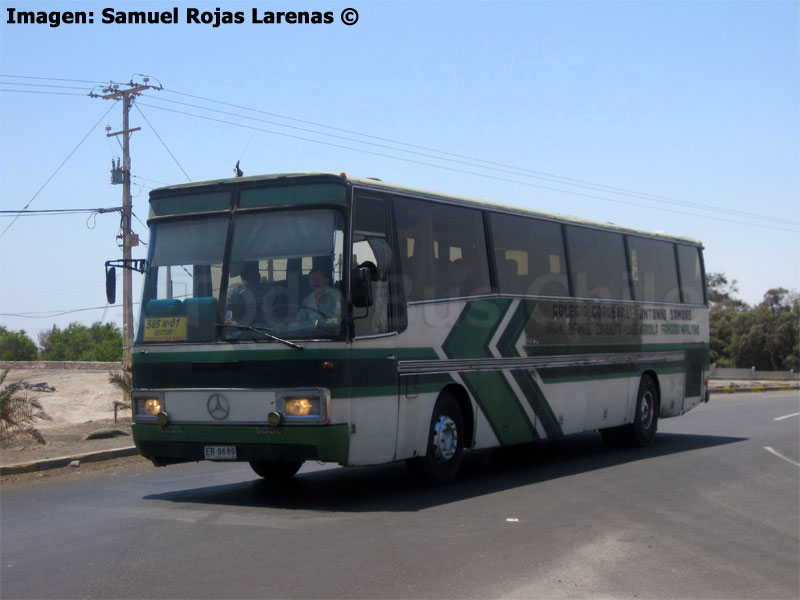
(681, 117)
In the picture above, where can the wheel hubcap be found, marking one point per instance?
(445, 438)
(646, 407)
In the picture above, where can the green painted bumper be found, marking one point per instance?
(185, 443)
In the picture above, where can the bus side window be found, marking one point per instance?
(599, 268)
(691, 271)
(449, 258)
(529, 254)
(653, 270)
(372, 249)
(416, 248)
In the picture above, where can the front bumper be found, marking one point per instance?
(186, 443)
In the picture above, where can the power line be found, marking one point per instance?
(88, 133)
(43, 93)
(45, 85)
(162, 142)
(58, 211)
(58, 313)
(474, 162)
(152, 180)
(484, 175)
(491, 165)
(53, 79)
(143, 224)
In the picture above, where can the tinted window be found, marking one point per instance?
(183, 280)
(372, 250)
(442, 250)
(653, 270)
(691, 274)
(529, 254)
(286, 270)
(598, 263)
(369, 215)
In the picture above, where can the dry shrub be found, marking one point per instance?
(18, 412)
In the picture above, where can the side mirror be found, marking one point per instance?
(111, 285)
(361, 287)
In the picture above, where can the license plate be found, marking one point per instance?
(220, 452)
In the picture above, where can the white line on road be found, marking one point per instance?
(787, 417)
(779, 455)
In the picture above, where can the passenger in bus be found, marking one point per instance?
(244, 297)
(324, 303)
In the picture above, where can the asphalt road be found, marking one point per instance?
(711, 510)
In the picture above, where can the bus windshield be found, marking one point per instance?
(284, 278)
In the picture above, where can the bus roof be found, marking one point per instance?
(382, 186)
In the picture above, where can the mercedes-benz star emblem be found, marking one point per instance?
(218, 406)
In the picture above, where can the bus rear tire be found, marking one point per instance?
(445, 451)
(642, 431)
(645, 417)
(276, 470)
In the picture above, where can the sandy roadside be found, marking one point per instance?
(82, 402)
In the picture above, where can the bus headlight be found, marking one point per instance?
(151, 406)
(304, 406)
(146, 407)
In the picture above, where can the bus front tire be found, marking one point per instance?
(276, 470)
(445, 451)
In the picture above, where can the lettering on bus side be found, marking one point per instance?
(583, 322)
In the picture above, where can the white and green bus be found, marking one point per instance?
(324, 317)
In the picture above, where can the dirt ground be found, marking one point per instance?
(82, 403)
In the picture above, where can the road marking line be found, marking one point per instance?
(779, 455)
(787, 417)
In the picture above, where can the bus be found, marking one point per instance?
(295, 317)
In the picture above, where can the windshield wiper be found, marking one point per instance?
(265, 333)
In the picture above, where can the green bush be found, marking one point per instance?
(16, 345)
(99, 342)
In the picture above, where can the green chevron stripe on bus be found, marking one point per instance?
(538, 402)
(476, 326)
(470, 338)
(515, 329)
(507, 346)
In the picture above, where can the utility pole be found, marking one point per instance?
(123, 172)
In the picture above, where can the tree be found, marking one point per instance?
(721, 292)
(726, 312)
(769, 339)
(763, 336)
(16, 345)
(17, 412)
(98, 342)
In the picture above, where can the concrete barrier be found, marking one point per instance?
(64, 461)
(71, 365)
(719, 373)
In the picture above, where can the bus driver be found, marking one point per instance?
(323, 303)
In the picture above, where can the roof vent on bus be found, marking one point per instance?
(374, 179)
